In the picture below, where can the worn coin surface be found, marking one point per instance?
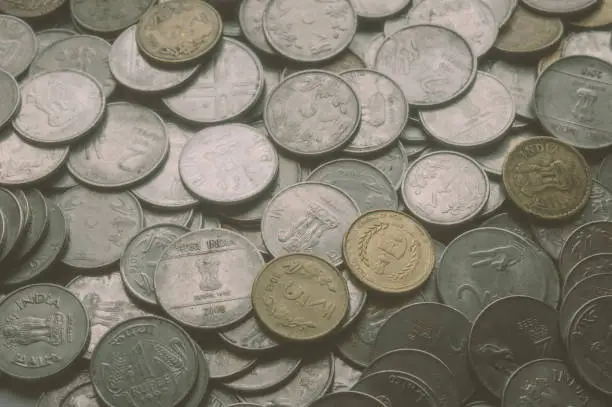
(345, 375)
(18, 44)
(179, 31)
(267, 374)
(11, 94)
(392, 162)
(83, 395)
(30, 9)
(37, 225)
(106, 17)
(54, 397)
(600, 17)
(250, 336)
(308, 217)
(586, 240)
(50, 36)
(345, 61)
(201, 389)
(592, 43)
(348, 398)
(529, 34)
(223, 362)
(604, 172)
(44, 330)
(568, 7)
(520, 80)
(155, 216)
(493, 159)
(14, 221)
(250, 15)
(395, 387)
(589, 266)
(497, 197)
(372, 9)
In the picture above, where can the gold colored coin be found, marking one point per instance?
(547, 178)
(527, 33)
(600, 17)
(389, 252)
(300, 297)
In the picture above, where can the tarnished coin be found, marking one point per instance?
(300, 297)
(84, 395)
(30, 9)
(348, 398)
(568, 7)
(100, 225)
(203, 279)
(592, 43)
(389, 252)
(201, 389)
(509, 333)
(140, 258)
(44, 331)
(586, 240)
(502, 10)
(392, 162)
(224, 89)
(164, 357)
(547, 178)
(493, 159)
(48, 37)
(548, 59)
(179, 31)
(82, 52)
(395, 387)
(11, 97)
(225, 364)
(595, 264)
(600, 17)
(250, 336)
(228, 164)
(520, 80)
(22, 162)
(345, 376)
(37, 225)
(308, 217)
(18, 43)
(250, 15)
(312, 113)
(480, 118)
(158, 216)
(442, 65)
(130, 143)
(445, 188)
(54, 397)
(309, 30)
(59, 107)
(14, 221)
(604, 172)
(133, 71)
(108, 16)
(267, 374)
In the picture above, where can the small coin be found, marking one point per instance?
(392, 162)
(140, 258)
(198, 23)
(250, 17)
(108, 17)
(44, 330)
(267, 374)
(589, 266)
(345, 376)
(84, 395)
(157, 347)
(395, 387)
(157, 216)
(308, 217)
(14, 220)
(19, 45)
(493, 159)
(284, 288)
(600, 17)
(425, 81)
(11, 97)
(570, 7)
(25, 9)
(586, 240)
(520, 80)
(50, 36)
(250, 336)
(348, 398)
(225, 364)
(54, 397)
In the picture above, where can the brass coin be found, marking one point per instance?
(547, 178)
(300, 297)
(179, 31)
(548, 59)
(600, 17)
(389, 252)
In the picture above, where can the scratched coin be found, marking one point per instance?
(129, 145)
(249, 336)
(224, 89)
(140, 258)
(153, 216)
(135, 72)
(394, 388)
(54, 397)
(392, 162)
(14, 221)
(11, 97)
(267, 374)
(18, 43)
(44, 331)
(100, 225)
(312, 113)
(228, 164)
(179, 31)
(508, 333)
(309, 30)
(443, 65)
(364, 183)
(300, 297)
(348, 398)
(250, 15)
(308, 217)
(164, 359)
(599, 263)
(84, 395)
(520, 80)
(109, 16)
(59, 107)
(570, 7)
(30, 9)
(493, 159)
(203, 279)
(50, 36)
(586, 240)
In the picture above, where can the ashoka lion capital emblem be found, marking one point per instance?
(56, 330)
(308, 230)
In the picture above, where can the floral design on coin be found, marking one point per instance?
(312, 113)
(228, 164)
(309, 30)
(547, 178)
(108, 16)
(18, 45)
(179, 31)
(44, 331)
(59, 107)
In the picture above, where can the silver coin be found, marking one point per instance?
(485, 264)
(413, 134)
(50, 36)
(54, 397)
(604, 172)
(224, 363)
(502, 10)
(82, 52)
(395, 387)
(14, 221)
(204, 278)
(308, 217)
(372, 9)
(361, 41)
(561, 8)
(509, 222)
(248, 335)
(392, 162)
(479, 118)
(497, 197)
(253, 234)
(224, 89)
(250, 16)
(345, 375)
(228, 164)
(599, 263)
(493, 159)
(309, 30)
(139, 260)
(267, 374)
(129, 145)
(272, 77)
(364, 183)
(346, 61)
(520, 80)
(348, 398)
(165, 188)
(62, 179)
(107, 17)
(312, 113)
(100, 225)
(202, 221)
(445, 188)
(11, 97)
(369, 56)
(18, 44)
(221, 398)
(156, 216)
(60, 106)
(593, 43)
(357, 298)
(38, 224)
(24, 163)
(384, 111)
(440, 66)
(106, 302)
(588, 239)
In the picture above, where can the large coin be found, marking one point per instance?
(18, 45)
(547, 178)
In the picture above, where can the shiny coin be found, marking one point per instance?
(251, 16)
(348, 398)
(54, 397)
(203, 279)
(14, 221)
(158, 216)
(396, 387)
(520, 80)
(25, 9)
(225, 364)
(595, 264)
(567, 187)
(600, 17)
(48, 37)
(565, 8)
(164, 358)
(19, 45)
(308, 217)
(84, 395)
(44, 330)
(493, 159)
(389, 252)
(250, 336)
(11, 97)
(267, 374)
(59, 107)
(588, 239)
(108, 17)
(198, 23)
(300, 297)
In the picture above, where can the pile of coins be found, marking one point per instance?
(306, 203)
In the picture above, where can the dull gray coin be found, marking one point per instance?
(248, 335)
(502, 10)
(267, 374)
(509, 222)
(493, 160)
(14, 220)
(570, 7)
(361, 40)
(109, 17)
(202, 221)
(225, 364)
(9, 88)
(497, 197)
(345, 375)
(250, 17)
(37, 226)
(50, 36)
(54, 397)
(348, 398)
(604, 172)
(599, 263)
(586, 240)
(83, 395)
(372, 9)
(392, 162)
(253, 234)
(592, 42)
(222, 398)
(520, 80)
(62, 179)
(157, 216)
(18, 43)
(395, 387)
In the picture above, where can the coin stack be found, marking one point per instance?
(306, 203)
